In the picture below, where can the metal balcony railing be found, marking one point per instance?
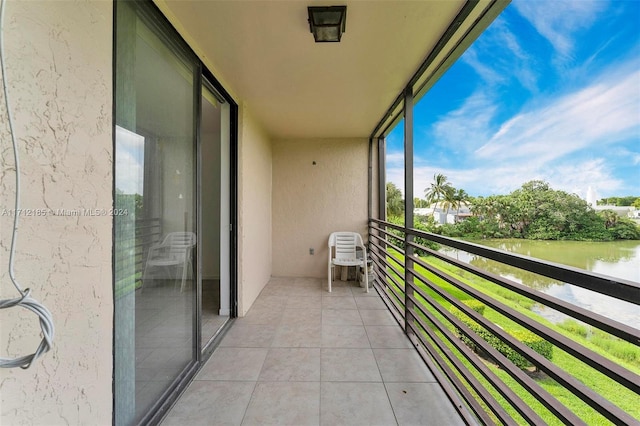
(495, 366)
(134, 239)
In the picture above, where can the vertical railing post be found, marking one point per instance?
(382, 177)
(382, 196)
(408, 202)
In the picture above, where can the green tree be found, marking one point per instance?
(439, 190)
(419, 202)
(395, 202)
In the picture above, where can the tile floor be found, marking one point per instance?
(303, 356)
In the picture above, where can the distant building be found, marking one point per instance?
(440, 216)
(624, 211)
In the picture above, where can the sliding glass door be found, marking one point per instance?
(172, 255)
(155, 237)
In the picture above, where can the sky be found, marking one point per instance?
(550, 91)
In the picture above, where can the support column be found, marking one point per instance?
(408, 201)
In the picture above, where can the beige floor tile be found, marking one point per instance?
(298, 336)
(291, 364)
(422, 404)
(344, 336)
(284, 403)
(377, 317)
(261, 316)
(304, 302)
(349, 365)
(338, 288)
(249, 336)
(209, 402)
(387, 336)
(345, 403)
(339, 302)
(402, 365)
(370, 303)
(234, 364)
(341, 317)
(310, 360)
(309, 316)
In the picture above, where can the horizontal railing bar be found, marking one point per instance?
(460, 388)
(387, 224)
(516, 373)
(387, 243)
(446, 377)
(391, 306)
(398, 262)
(399, 307)
(473, 381)
(386, 285)
(379, 250)
(595, 400)
(388, 233)
(615, 287)
(496, 382)
(609, 368)
(609, 325)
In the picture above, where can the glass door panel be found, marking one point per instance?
(156, 241)
(214, 157)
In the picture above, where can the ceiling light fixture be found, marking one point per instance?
(327, 23)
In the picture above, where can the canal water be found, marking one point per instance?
(619, 259)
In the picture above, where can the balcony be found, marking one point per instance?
(305, 356)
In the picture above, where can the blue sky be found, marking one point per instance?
(550, 91)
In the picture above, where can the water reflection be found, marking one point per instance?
(620, 259)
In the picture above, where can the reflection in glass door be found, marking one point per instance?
(214, 214)
(156, 242)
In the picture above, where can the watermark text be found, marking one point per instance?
(78, 212)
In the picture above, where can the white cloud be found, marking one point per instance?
(559, 21)
(466, 125)
(602, 113)
(512, 63)
(569, 176)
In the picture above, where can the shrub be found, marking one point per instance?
(532, 340)
(476, 305)
(574, 327)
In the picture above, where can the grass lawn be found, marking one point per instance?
(624, 353)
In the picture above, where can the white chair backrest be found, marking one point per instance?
(180, 239)
(345, 244)
(177, 242)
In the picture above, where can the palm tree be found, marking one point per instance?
(395, 203)
(461, 197)
(610, 218)
(439, 190)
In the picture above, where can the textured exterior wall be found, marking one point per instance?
(254, 210)
(311, 201)
(59, 71)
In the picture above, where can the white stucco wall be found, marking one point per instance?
(59, 72)
(311, 201)
(254, 210)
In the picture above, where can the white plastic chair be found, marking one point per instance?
(173, 252)
(342, 252)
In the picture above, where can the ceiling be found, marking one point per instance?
(264, 54)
